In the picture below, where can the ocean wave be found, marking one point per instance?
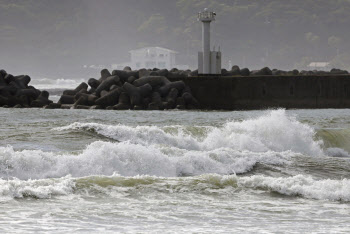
(300, 185)
(274, 131)
(40, 189)
(206, 184)
(128, 159)
(337, 152)
(170, 151)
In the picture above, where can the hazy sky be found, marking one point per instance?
(56, 38)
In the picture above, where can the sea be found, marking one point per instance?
(99, 171)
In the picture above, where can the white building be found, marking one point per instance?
(151, 57)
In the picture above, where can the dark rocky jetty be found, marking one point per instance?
(162, 89)
(16, 92)
(131, 90)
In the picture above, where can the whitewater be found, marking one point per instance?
(271, 171)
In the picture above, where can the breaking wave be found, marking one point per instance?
(301, 185)
(171, 151)
(275, 131)
(208, 184)
(128, 159)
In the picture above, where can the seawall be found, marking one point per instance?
(261, 92)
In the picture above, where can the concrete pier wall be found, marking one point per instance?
(261, 92)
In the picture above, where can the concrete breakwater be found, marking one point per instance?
(261, 92)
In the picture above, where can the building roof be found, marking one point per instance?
(318, 64)
(158, 48)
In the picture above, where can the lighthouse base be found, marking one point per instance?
(214, 63)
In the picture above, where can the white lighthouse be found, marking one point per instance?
(209, 62)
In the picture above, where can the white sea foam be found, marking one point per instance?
(116, 185)
(45, 188)
(274, 131)
(128, 159)
(337, 152)
(300, 185)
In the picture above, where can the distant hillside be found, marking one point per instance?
(50, 37)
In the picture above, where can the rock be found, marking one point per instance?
(152, 80)
(109, 99)
(8, 78)
(146, 101)
(245, 72)
(154, 73)
(163, 72)
(262, 72)
(295, 72)
(131, 79)
(179, 85)
(104, 93)
(3, 101)
(83, 100)
(180, 101)
(14, 85)
(93, 83)
(3, 73)
(66, 99)
(124, 75)
(113, 87)
(90, 98)
(276, 72)
(143, 72)
(124, 102)
(172, 97)
(127, 68)
(2, 80)
(32, 93)
(189, 99)
(194, 73)
(42, 100)
(235, 71)
(137, 93)
(104, 75)
(107, 83)
(81, 88)
(22, 81)
(339, 71)
(7, 90)
(156, 102)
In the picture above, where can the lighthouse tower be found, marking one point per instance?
(209, 62)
